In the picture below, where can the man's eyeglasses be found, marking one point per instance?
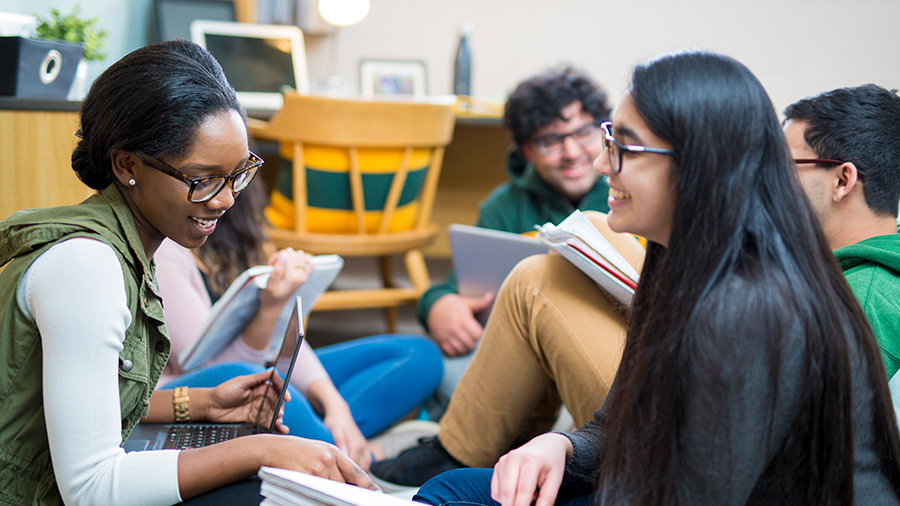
(827, 161)
(553, 143)
(615, 149)
(203, 189)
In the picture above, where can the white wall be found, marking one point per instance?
(796, 47)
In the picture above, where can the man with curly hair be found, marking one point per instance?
(553, 118)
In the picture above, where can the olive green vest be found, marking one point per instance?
(26, 472)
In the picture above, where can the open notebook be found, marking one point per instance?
(231, 313)
(281, 487)
(182, 436)
(576, 239)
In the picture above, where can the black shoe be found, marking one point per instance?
(416, 465)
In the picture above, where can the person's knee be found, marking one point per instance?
(232, 369)
(459, 486)
(426, 352)
(540, 270)
(429, 361)
(423, 355)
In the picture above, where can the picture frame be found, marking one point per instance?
(397, 78)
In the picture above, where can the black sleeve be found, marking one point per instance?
(734, 420)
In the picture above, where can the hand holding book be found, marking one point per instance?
(230, 314)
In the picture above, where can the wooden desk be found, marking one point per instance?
(474, 164)
(36, 142)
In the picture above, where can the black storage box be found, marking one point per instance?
(37, 68)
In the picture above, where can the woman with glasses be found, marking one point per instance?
(343, 393)
(83, 336)
(750, 374)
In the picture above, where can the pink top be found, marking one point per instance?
(187, 305)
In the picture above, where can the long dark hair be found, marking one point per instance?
(738, 197)
(152, 100)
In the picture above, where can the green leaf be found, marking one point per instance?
(74, 28)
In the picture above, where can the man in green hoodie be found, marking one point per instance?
(553, 118)
(846, 144)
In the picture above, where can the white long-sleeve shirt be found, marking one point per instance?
(75, 294)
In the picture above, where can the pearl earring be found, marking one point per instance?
(132, 182)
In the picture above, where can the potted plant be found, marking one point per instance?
(73, 27)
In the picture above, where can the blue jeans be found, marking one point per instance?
(472, 487)
(382, 378)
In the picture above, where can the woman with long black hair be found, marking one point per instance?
(750, 375)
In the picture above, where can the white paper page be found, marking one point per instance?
(311, 490)
(579, 225)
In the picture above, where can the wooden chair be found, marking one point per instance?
(364, 179)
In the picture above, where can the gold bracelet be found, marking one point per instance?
(181, 403)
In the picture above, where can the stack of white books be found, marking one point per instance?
(577, 240)
(281, 487)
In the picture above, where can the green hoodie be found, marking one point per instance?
(517, 206)
(872, 267)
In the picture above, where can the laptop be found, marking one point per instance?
(261, 62)
(182, 436)
(483, 257)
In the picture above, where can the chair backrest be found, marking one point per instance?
(362, 167)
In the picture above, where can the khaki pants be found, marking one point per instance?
(553, 336)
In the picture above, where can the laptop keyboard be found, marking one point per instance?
(183, 437)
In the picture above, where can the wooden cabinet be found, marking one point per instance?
(35, 159)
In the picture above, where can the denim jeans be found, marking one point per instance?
(472, 487)
(382, 378)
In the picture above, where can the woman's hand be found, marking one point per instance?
(348, 437)
(290, 270)
(203, 469)
(318, 459)
(532, 472)
(240, 399)
(336, 415)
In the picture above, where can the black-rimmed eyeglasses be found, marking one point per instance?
(203, 189)
(827, 161)
(615, 148)
(553, 143)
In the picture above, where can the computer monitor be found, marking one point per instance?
(262, 62)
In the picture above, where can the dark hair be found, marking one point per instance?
(763, 254)
(538, 101)
(239, 241)
(152, 100)
(859, 125)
